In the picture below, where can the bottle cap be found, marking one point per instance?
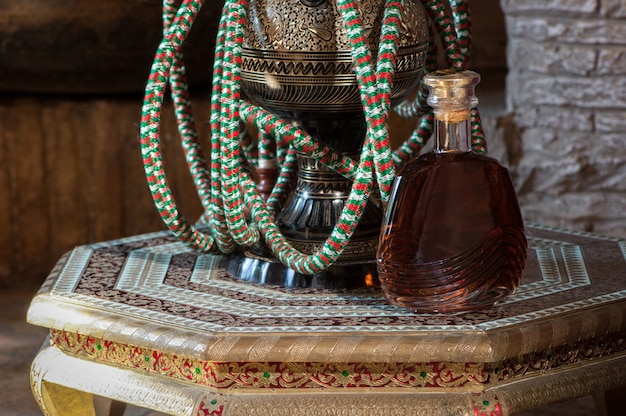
(451, 93)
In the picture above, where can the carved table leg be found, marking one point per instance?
(66, 385)
(63, 401)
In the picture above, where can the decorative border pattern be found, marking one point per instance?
(230, 376)
(212, 406)
(486, 404)
(155, 277)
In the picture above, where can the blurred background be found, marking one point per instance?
(72, 74)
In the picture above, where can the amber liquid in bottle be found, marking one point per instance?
(453, 236)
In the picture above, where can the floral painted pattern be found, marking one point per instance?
(561, 274)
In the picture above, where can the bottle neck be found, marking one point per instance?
(452, 132)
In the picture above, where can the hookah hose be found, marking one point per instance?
(225, 185)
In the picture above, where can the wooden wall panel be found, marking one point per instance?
(23, 143)
(137, 216)
(6, 247)
(71, 173)
(67, 210)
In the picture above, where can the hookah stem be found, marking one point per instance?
(184, 115)
(228, 133)
(416, 141)
(216, 217)
(284, 182)
(169, 47)
(418, 109)
(454, 29)
(249, 147)
(444, 23)
(332, 248)
(299, 139)
(455, 32)
(228, 179)
(385, 69)
(149, 131)
(375, 145)
(287, 162)
(375, 90)
(287, 166)
(230, 128)
(267, 151)
(444, 26)
(463, 25)
(347, 222)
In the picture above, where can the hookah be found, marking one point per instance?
(253, 223)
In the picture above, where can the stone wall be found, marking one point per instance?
(566, 90)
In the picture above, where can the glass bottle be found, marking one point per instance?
(453, 237)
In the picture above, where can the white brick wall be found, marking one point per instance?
(567, 90)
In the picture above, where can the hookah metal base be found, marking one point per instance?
(258, 265)
(312, 211)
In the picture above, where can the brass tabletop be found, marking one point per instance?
(152, 311)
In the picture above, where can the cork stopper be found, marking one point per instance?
(451, 94)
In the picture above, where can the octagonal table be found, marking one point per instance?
(147, 321)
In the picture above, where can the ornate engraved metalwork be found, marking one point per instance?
(110, 305)
(350, 375)
(297, 62)
(295, 26)
(297, 56)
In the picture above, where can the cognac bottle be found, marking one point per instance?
(452, 238)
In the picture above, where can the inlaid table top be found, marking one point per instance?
(148, 302)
